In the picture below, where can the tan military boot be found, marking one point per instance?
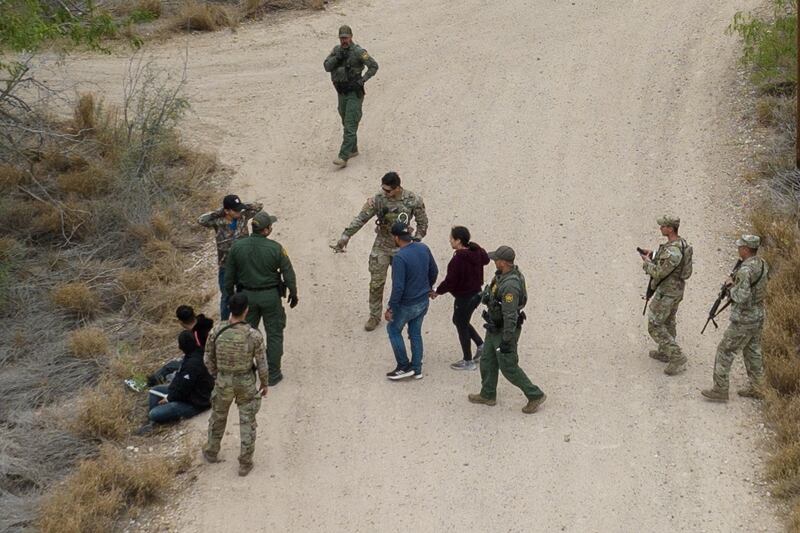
(751, 391)
(353, 154)
(659, 356)
(676, 366)
(245, 468)
(533, 405)
(372, 323)
(477, 398)
(715, 394)
(339, 162)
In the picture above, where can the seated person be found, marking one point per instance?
(189, 393)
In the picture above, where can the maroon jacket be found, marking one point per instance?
(465, 272)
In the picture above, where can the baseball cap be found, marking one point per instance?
(263, 220)
(233, 202)
(400, 229)
(669, 220)
(506, 253)
(751, 241)
(345, 31)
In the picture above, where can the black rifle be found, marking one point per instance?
(650, 291)
(724, 293)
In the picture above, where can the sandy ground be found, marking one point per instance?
(560, 128)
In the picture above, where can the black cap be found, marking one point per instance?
(400, 229)
(233, 202)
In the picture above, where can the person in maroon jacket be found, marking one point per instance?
(464, 281)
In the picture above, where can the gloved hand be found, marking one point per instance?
(293, 300)
(341, 244)
(506, 347)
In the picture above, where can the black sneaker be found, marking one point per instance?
(400, 373)
(418, 375)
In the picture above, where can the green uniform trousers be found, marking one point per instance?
(661, 324)
(493, 360)
(227, 388)
(744, 337)
(268, 306)
(379, 261)
(350, 111)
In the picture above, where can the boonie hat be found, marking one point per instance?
(233, 202)
(263, 220)
(669, 220)
(506, 253)
(751, 241)
(345, 31)
(400, 229)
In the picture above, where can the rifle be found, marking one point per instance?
(724, 292)
(650, 291)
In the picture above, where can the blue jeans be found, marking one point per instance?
(170, 411)
(413, 315)
(224, 313)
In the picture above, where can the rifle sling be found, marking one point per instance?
(671, 272)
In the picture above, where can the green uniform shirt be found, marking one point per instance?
(505, 297)
(748, 291)
(347, 64)
(257, 262)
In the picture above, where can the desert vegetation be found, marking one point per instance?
(770, 53)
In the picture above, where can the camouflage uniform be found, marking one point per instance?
(504, 297)
(386, 211)
(746, 323)
(670, 268)
(346, 66)
(230, 356)
(225, 236)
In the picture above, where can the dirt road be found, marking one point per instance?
(560, 128)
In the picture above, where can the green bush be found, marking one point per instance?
(769, 44)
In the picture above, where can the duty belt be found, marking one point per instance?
(256, 289)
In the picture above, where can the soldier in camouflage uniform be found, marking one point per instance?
(392, 205)
(747, 290)
(505, 297)
(669, 268)
(234, 354)
(230, 223)
(260, 267)
(346, 62)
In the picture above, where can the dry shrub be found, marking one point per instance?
(106, 412)
(87, 343)
(151, 7)
(255, 8)
(84, 113)
(201, 16)
(76, 298)
(92, 181)
(47, 220)
(56, 160)
(161, 225)
(11, 177)
(133, 281)
(9, 247)
(93, 497)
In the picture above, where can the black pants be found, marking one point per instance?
(463, 307)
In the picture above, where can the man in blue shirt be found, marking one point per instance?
(414, 272)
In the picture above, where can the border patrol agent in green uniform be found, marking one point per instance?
(346, 62)
(234, 355)
(747, 290)
(260, 267)
(505, 297)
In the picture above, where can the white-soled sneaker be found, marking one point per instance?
(418, 375)
(400, 374)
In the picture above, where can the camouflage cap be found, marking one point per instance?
(263, 220)
(345, 31)
(751, 241)
(669, 220)
(506, 253)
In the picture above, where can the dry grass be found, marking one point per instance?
(107, 412)
(88, 343)
(76, 298)
(87, 183)
(256, 8)
(93, 497)
(201, 16)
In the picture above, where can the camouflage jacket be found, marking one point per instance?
(748, 291)
(238, 349)
(670, 268)
(226, 233)
(387, 211)
(504, 297)
(347, 64)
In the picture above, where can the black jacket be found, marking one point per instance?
(201, 329)
(192, 383)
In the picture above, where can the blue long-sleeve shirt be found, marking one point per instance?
(414, 272)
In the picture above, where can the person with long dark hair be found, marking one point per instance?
(464, 280)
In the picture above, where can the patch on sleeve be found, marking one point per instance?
(364, 56)
(509, 298)
(284, 252)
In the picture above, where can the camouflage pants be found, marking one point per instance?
(242, 388)
(379, 260)
(744, 337)
(661, 324)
